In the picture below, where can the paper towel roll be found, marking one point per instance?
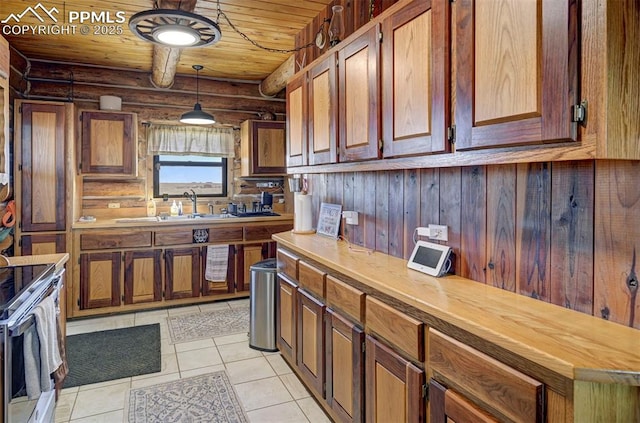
(302, 213)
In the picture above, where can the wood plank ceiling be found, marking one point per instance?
(272, 23)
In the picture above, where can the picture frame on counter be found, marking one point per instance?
(329, 220)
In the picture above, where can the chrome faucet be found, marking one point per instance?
(194, 200)
(210, 208)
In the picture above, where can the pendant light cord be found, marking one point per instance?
(246, 37)
(197, 85)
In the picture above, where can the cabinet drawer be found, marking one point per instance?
(112, 240)
(519, 397)
(184, 236)
(225, 234)
(401, 330)
(254, 233)
(311, 278)
(288, 264)
(345, 298)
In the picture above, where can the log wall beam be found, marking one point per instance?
(277, 81)
(165, 59)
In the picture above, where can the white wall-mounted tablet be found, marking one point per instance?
(429, 258)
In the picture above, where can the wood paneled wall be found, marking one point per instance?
(561, 232)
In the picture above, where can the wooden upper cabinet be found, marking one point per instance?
(358, 68)
(323, 112)
(416, 79)
(109, 143)
(297, 121)
(516, 72)
(262, 145)
(42, 167)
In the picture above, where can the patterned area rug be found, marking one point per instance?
(208, 324)
(206, 398)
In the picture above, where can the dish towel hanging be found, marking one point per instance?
(217, 263)
(41, 352)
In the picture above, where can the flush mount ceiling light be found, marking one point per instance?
(175, 28)
(197, 116)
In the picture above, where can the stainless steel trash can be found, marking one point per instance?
(262, 306)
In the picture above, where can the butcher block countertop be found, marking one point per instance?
(58, 259)
(575, 345)
(145, 222)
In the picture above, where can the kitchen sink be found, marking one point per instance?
(174, 218)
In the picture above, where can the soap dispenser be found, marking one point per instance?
(174, 209)
(151, 207)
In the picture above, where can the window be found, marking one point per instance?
(174, 175)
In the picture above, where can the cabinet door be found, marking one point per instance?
(394, 386)
(36, 244)
(182, 272)
(359, 97)
(4, 113)
(109, 143)
(323, 112)
(247, 256)
(345, 368)
(297, 121)
(516, 72)
(219, 287)
(310, 348)
(416, 79)
(263, 148)
(446, 405)
(42, 166)
(99, 280)
(286, 318)
(142, 276)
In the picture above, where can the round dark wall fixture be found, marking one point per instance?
(175, 28)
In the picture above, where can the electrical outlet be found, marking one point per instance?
(438, 232)
(351, 217)
(114, 205)
(422, 231)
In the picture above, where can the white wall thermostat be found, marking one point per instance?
(430, 258)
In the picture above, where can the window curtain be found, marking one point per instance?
(168, 139)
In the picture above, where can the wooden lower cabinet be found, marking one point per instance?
(465, 369)
(182, 272)
(310, 340)
(100, 280)
(212, 288)
(394, 388)
(36, 244)
(286, 318)
(247, 255)
(448, 406)
(142, 276)
(344, 367)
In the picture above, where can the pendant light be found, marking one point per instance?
(197, 116)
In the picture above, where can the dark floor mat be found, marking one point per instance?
(113, 354)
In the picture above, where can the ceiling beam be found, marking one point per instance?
(277, 81)
(165, 59)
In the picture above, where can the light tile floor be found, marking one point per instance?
(267, 388)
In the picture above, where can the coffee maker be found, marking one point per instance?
(266, 201)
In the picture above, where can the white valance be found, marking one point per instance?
(168, 139)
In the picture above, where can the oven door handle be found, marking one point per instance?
(19, 328)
